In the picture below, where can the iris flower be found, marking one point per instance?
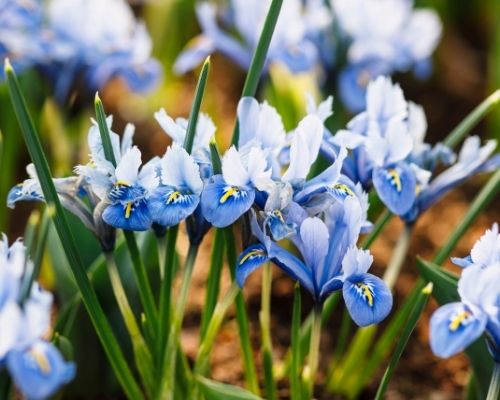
(180, 188)
(300, 48)
(229, 195)
(383, 37)
(381, 142)
(456, 325)
(36, 366)
(329, 261)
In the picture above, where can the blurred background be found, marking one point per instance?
(466, 69)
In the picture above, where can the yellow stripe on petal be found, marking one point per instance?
(41, 360)
(367, 293)
(231, 192)
(251, 254)
(128, 209)
(122, 183)
(344, 189)
(395, 179)
(173, 197)
(458, 320)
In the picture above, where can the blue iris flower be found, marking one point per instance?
(383, 37)
(40, 370)
(472, 159)
(37, 367)
(381, 142)
(229, 195)
(85, 45)
(330, 261)
(72, 41)
(20, 22)
(127, 199)
(455, 326)
(178, 194)
(300, 48)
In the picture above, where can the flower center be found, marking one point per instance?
(458, 320)
(395, 179)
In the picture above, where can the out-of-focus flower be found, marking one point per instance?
(72, 42)
(36, 366)
(456, 325)
(20, 23)
(83, 44)
(385, 36)
(330, 261)
(300, 49)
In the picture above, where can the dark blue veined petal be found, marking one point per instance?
(16, 194)
(368, 299)
(40, 370)
(122, 192)
(396, 187)
(294, 267)
(331, 286)
(131, 216)
(168, 206)
(279, 228)
(223, 204)
(248, 261)
(453, 327)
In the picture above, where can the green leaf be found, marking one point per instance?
(94, 309)
(195, 108)
(215, 156)
(445, 282)
(259, 58)
(469, 122)
(419, 307)
(220, 391)
(213, 281)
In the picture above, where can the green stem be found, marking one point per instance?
(398, 257)
(167, 386)
(213, 281)
(309, 374)
(494, 390)
(259, 57)
(166, 298)
(207, 344)
(265, 325)
(472, 119)
(143, 357)
(143, 284)
(161, 245)
(242, 319)
(295, 389)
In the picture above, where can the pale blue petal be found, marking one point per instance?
(314, 245)
(453, 327)
(40, 371)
